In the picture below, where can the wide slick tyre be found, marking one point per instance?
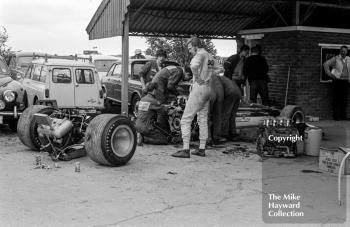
(27, 127)
(110, 139)
(295, 113)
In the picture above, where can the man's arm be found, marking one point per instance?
(266, 66)
(143, 73)
(329, 63)
(228, 68)
(196, 63)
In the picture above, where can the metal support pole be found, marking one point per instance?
(297, 13)
(339, 176)
(125, 65)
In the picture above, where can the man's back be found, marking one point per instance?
(204, 63)
(256, 68)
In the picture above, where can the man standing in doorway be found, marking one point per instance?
(340, 75)
(234, 66)
(255, 69)
(202, 66)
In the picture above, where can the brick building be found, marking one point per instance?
(298, 49)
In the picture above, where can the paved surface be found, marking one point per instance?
(155, 189)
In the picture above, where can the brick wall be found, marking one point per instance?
(300, 51)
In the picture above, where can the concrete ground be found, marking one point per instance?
(155, 189)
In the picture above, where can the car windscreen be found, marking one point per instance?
(103, 65)
(4, 70)
(24, 60)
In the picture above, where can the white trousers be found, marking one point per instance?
(197, 104)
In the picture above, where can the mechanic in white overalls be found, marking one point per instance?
(202, 66)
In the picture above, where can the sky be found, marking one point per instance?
(58, 27)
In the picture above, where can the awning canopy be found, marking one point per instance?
(210, 19)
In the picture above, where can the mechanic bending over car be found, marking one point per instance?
(167, 80)
(202, 66)
(224, 102)
(148, 111)
(151, 68)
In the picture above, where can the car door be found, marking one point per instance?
(34, 87)
(106, 82)
(86, 87)
(116, 82)
(26, 82)
(62, 86)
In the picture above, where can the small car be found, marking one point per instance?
(112, 83)
(12, 98)
(20, 61)
(102, 62)
(62, 82)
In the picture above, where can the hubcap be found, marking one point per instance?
(122, 140)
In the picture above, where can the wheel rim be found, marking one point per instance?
(298, 117)
(135, 109)
(122, 140)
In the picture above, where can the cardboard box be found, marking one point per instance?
(330, 160)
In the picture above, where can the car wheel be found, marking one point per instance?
(295, 113)
(134, 102)
(110, 139)
(27, 126)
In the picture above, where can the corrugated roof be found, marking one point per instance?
(219, 18)
(209, 19)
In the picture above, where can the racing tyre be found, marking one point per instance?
(27, 126)
(110, 139)
(295, 113)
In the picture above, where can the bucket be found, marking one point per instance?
(312, 141)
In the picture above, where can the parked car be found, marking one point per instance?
(20, 61)
(102, 62)
(12, 97)
(69, 83)
(112, 83)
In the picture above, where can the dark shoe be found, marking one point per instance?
(199, 152)
(219, 140)
(182, 154)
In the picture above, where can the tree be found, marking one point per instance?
(4, 49)
(176, 48)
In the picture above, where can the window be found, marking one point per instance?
(29, 72)
(103, 65)
(84, 76)
(137, 69)
(110, 71)
(36, 73)
(43, 74)
(62, 76)
(117, 70)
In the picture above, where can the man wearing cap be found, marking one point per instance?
(202, 66)
(138, 55)
(148, 111)
(151, 68)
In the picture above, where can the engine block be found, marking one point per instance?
(277, 137)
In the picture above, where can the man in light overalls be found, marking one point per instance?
(202, 66)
